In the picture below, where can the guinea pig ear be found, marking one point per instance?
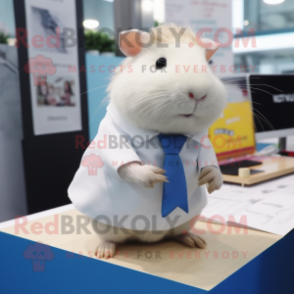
(131, 42)
(210, 46)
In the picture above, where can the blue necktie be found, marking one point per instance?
(175, 191)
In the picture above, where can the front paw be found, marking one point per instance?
(212, 176)
(144, 175)
(150, 175)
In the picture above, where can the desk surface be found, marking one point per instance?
(272, 168)
(226, 252)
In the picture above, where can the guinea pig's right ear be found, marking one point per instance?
(210, 46)
(131, 42)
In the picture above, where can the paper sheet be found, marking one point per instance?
(268, 206)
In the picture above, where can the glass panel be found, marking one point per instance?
(267, 18)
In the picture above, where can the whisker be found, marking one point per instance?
(262, 90)
(268, 86)
(265, 119)
(97, 109)
(261, 116)
(93, 90)
(250, 86)
(236, 79)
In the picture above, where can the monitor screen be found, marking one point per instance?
(273, 105)
(232, 135)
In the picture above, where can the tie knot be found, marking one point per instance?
(172, 144)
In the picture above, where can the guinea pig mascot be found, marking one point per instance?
(143, 177)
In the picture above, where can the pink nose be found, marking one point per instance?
(191, 95)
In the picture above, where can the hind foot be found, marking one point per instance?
(192, 240)
(105, 250)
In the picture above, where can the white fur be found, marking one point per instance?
(157, 101)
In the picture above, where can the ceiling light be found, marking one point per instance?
(147, 5)
(90, 23)
(273, 2)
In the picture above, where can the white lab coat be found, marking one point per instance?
(98, 191)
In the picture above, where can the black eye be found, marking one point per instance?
(160, 63)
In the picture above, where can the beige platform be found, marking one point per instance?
(272, 168)
(225, 254)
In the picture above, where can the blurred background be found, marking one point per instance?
(29, 186)
(267, 20)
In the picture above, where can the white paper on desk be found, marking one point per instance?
(274, 214)
(268, 206)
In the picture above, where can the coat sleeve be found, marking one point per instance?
(114, 146)
(206, 155)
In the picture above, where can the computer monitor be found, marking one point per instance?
(272, 100)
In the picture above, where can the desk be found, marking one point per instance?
(272, 168)
(233, 262)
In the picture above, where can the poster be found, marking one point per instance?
(53, 66)
(214, 19)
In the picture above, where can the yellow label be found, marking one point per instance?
(234, 130)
